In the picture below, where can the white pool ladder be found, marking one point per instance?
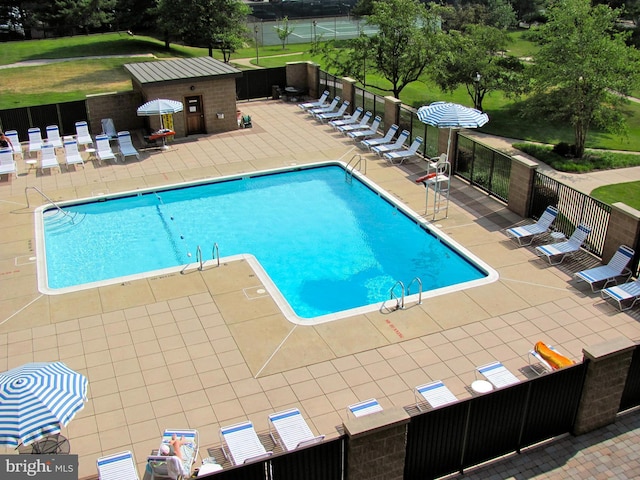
(356, 161)
(400, 300)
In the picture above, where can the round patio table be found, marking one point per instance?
(53, 444)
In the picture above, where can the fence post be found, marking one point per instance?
(523, 172)
(391, 111)
(376, 445)
(607, 368)
(349, 92)
(623, 229)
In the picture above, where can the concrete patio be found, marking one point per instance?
(178, 351)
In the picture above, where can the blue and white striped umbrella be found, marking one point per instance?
(37, 399)
(451, 115)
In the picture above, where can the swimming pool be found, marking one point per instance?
(322, 246)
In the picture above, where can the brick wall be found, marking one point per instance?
(607, 368)
(391, 111)
(521, 185)
(376, 445)
(121, 107)
(624, 229)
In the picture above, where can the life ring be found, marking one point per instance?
(425, 177)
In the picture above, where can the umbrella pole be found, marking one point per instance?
(449, 146)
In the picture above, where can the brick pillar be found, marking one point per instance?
(623, 229)
(391, 112)
(297, 75)
(349, 92)
(523, 172)
(607, 367)
(313, 80)
(376, 445)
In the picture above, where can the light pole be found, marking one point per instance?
(315, 37)
(476, 90)
(255, 31)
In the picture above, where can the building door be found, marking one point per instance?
(195, 115)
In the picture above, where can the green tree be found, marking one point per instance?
(476, 59)
(283, 29)
(401, 50)
(209, 23)
(585, 65)
(85, 14)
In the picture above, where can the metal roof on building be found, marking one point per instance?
(182, 69)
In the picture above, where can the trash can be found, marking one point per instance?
(275, 92)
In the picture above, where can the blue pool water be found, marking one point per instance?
(327, 244)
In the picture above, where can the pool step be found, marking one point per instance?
(56, 221)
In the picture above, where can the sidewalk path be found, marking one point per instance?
(583, 182)
(45, 61)
(246, 62)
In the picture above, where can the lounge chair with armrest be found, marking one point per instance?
(49, 158)
(35, 140)
(321, 102)
(348, 120)
(363, 124)
(320, 110)
(372, 142)
(71, 154)
(498, 375)
(398, 157)
(365, 133)
(324, 117)
(12, 135)
(119, 466)
(103, 149)
(436, 394)
(390, 147)
(53, 136)
(126, 146)
(525, 234)
(83, 136)
(242, 444)
(293, 430)
(365, 407)
(600, 277)
(7, 163)
(625, 295)
(557, 252)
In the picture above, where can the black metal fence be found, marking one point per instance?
(65, 115)
(331, 83)
(484, 167)
(370, 102)
(481, 428)
(260, 83)
(574, 207)
(631, 392)
(409, 121)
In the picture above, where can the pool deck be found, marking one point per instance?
(206, 349)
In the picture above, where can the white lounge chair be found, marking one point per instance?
(363, 124)
(372, 142)
(539, 365)
(323, 117)
(321, 102)
(498, 375)
(293, 430)
(35, 140)
(119, 466)
(53, 136)
(609, 273)
(347, 120)
(242, 443)
(363, 133)
(103, 149)
(159, 464)
(366, 407)
(126, 146)
(561, 250)
(332, 106)
(390, 147)
(398, 157)
(15, 141)
(71, 154)
(108, 128)
(7, 163)
(525, 234)
(83, 136)
(49, 158)
(625, 295)
(435, 393)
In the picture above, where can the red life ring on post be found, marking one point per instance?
(425, 177)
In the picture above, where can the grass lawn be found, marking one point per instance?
(628, 193)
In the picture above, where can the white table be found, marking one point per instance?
(481, 386)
